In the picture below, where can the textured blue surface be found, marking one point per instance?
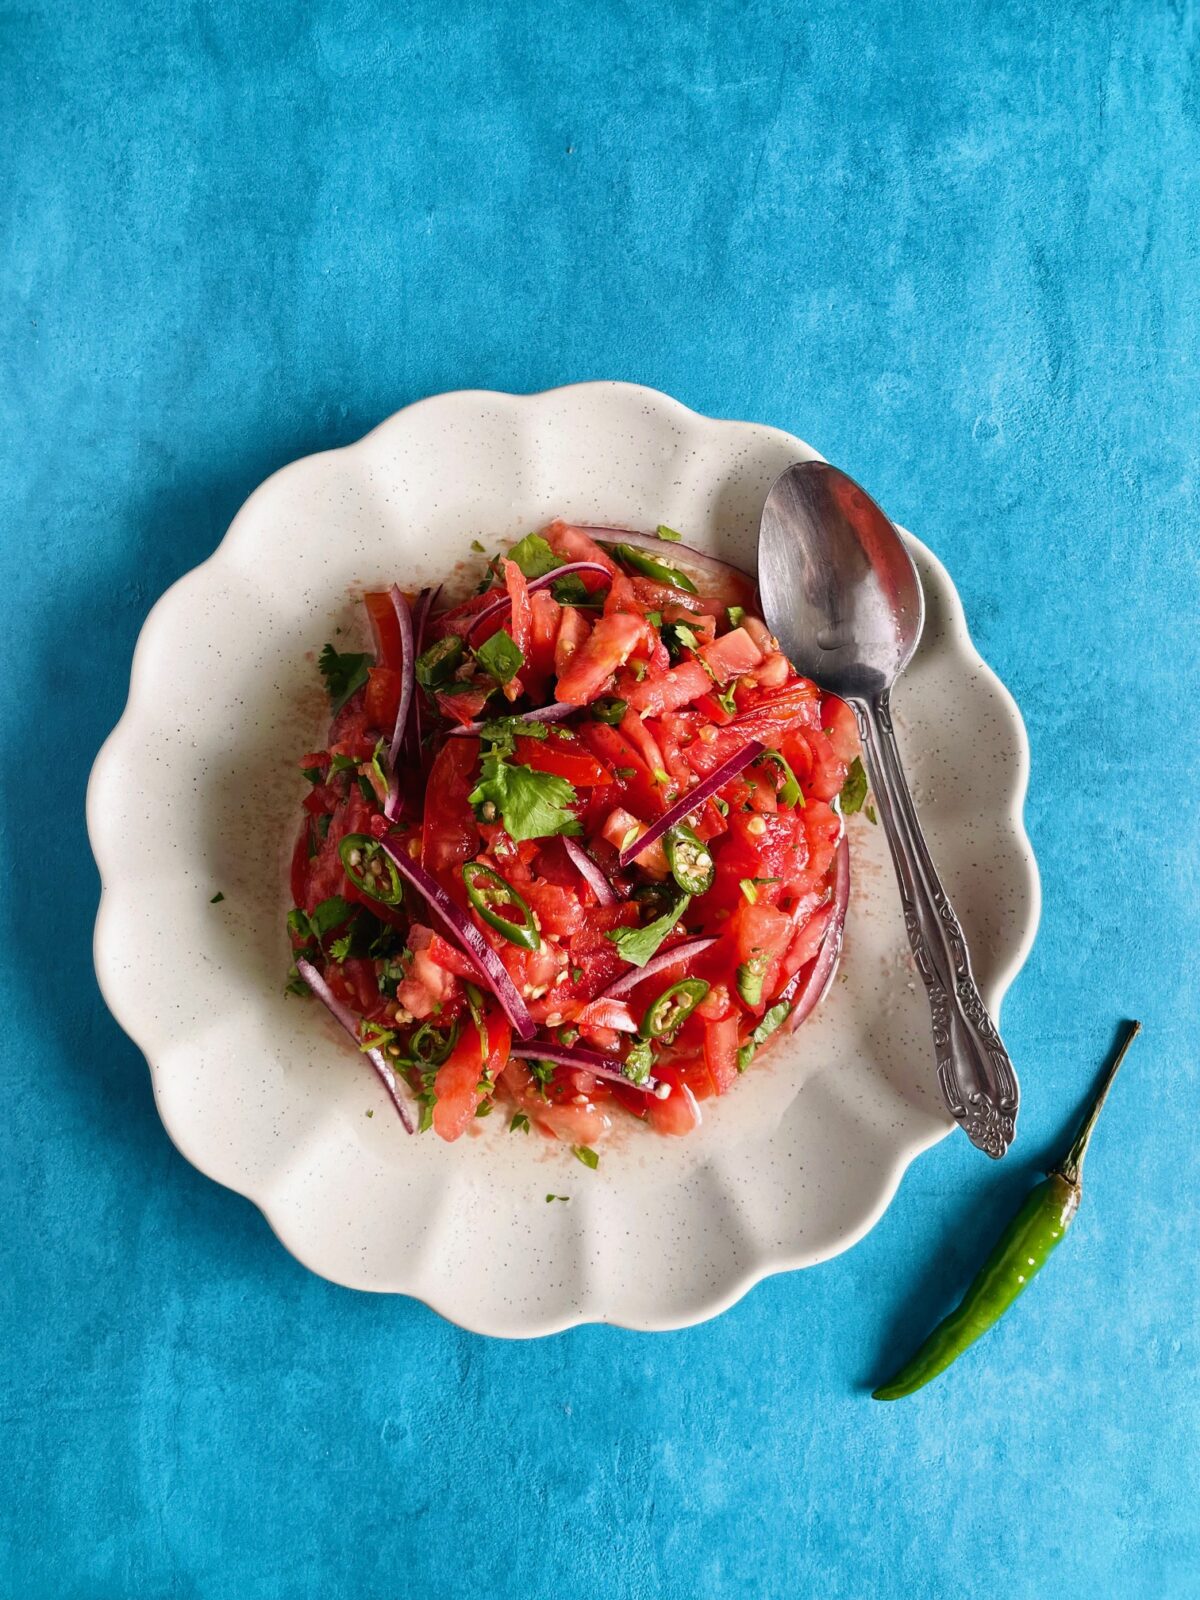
(952, 245)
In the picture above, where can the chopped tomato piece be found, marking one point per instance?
(565, 757)
(611, 642)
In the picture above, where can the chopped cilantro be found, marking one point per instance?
(637, 945)
(668, 533)
(726, 701)
(638, 1062)
(500, 657)
(550, 1197)
(216, 899)
(501, 731)
(773, 1020)
(746, 885)
(519, 1121)
(678, 637)
(535, 557)
(533, 805)
(869, 813)
(313, 774)
(484, 1108)
(736, 615)
(625, 772)
(654, 618)
(295, 984)
(342, 763)
(343, 674)
(790, 793)
(583, 1153)
(576, 974)
(571, 590)
(854, 791)
(721, 805)
(480, 549)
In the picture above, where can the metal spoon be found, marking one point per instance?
(841, 593)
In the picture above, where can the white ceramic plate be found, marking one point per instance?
(196, 791)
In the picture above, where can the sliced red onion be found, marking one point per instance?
(588, 869)
(401, 1095)
(504, 601)
(468, 937)
(684, 806)
(711, 566)
(391, 802)
(811, 984)
(683, 951)
(570, 1055)
(557, 712)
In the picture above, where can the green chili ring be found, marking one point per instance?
(367, 883)
(674, 1006)
(688, 856)
(487, 890)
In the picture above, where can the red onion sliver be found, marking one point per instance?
(426, 601)
(552, 713)
(811, 983)
(468, 937)
(570, 1055)
(407, 679)
(684, 806)
(401, 1095)
(588, 869)
(683, 951)
(504, 601)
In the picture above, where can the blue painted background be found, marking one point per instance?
(955, 246)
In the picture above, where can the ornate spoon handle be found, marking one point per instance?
(978, 1083)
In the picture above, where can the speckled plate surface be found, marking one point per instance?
(260, 1092)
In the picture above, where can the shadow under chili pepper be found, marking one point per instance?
(981, 1213)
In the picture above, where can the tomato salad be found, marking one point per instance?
(575, 846)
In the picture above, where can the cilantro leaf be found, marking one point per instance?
(480, 549)
(571, 590)
(773, 1020)
(519, 1120)
(790, 794)
(532, 805)
(343, 674)
(637, 945)
(217, 898)
(854, 790)
(581, 1152)
(669, 534)
(534, 556)
(637, 1064)
(500, 656)
(328, 915)
(736, 615)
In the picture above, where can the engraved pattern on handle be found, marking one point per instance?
(976, 1075)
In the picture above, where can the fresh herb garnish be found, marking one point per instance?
(746, 885)
(519, 1121)
(532, 805)
(311, 928)
(773, 1020)
(550, 1197)
(854, 790)
(726, 701)
(571, 591)
(583, 1153)
(736, 615)
(637, 1064)
(313, 774)
(790, 793)
(535, 557)
(678, 637)
(750, 976)
(637, 945)
(216, 899)
(480, 549)
(343, 674)
(669, 534)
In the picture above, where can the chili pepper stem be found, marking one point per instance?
(1071, 1166)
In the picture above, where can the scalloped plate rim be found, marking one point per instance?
(770, 1263)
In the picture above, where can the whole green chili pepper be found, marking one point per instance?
(489, 894)
(1020, 1253)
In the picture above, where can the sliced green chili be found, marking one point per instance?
(660, 571)
(384, 885)
(750, 977)
(610, 711)
(689, 859)
(435, 665)
(673, 1007)
(490, 895)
